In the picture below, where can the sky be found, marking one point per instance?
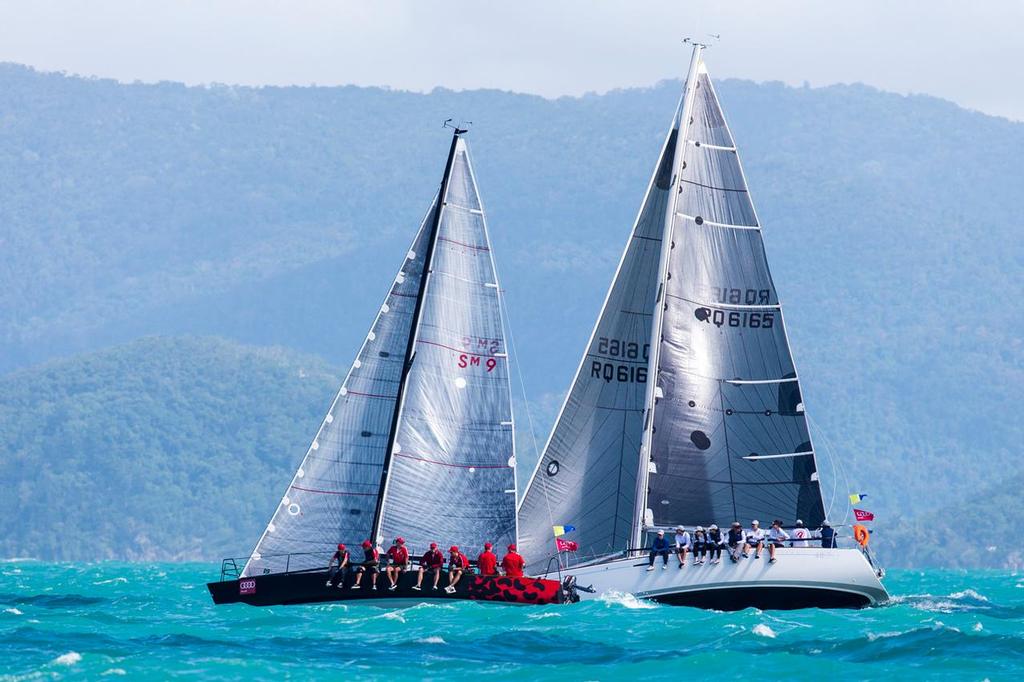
(967, 52)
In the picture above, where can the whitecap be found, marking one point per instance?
(70, 658)
(433, 639)
(626, 600)
(978, 627)
(763, 630)
(537, 616)
(969, 594)
(394, 615)
(114, 671)
(14, 611)
(111, 581)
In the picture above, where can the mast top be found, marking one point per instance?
(459, 129)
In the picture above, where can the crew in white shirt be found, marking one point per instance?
(777, 537)
(682, 544)
(801, 536)
(755, 539)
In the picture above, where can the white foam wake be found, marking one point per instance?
(70, 658)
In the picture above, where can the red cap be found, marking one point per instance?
(487, 545)
(433, 545)
(511, 548)
(453, 549)
(400, 541)
(341, 546)
(367, 543)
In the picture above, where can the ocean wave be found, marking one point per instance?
(14, 611)
(111, 581)
(433, 639)
(762, 630)
(625, 600)
(70, 658)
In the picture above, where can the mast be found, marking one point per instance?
(682, 125)
(410, 350)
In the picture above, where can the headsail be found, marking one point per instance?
(586, 475)
(452, 472)
(333, 493)
(730, 438)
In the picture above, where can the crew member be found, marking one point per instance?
(432, 560)
(700, 545)
(371, 564)
(512, 563)
(487, 562)
(828, 535)
(755, 539)
(801, 536)
(399, 557)
(776, 538)
(659, 547)
(457, 563)
(682, 544)
(336, 574)
(735, 541)
(715, 543)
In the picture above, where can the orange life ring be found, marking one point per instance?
(861, 535)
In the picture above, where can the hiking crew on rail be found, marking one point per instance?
(431, 563)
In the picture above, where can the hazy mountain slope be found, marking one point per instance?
(278, 215)
(159, 449)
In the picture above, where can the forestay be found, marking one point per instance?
(730, 439)
(586, 475)
(333, 494)
(452, 470)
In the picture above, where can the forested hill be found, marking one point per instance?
(276, 216)
(161, 449)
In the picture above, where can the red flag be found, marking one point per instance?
(862, 515)
(566, 545)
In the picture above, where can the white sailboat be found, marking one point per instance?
(686, 408)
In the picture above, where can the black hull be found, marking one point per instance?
(309, 587)
(765, 598)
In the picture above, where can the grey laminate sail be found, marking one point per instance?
(586, 475)
(333, 493)
(452, 472)
(730, 439)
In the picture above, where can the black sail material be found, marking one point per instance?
(730, 439)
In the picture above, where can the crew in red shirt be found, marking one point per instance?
(512, 563)
(399, 557)
(371, 562)
(432, 560)
(457, 563)
(487, 562)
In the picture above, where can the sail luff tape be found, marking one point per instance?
(740, 382)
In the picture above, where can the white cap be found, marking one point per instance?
(700, 527)
(661, 532)
(755, 522)
(680, 529)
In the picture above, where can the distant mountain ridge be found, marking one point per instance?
(276, 216)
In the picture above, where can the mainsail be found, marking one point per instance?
(430, 386)
(721, 434)
(452, 472)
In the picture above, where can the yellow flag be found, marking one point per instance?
(559, 530)
(854, 498)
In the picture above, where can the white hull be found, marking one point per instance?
(800, 578)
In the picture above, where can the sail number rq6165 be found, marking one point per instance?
(621, 361)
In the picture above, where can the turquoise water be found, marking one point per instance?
(155, 621)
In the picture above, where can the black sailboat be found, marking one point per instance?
(419, 440)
